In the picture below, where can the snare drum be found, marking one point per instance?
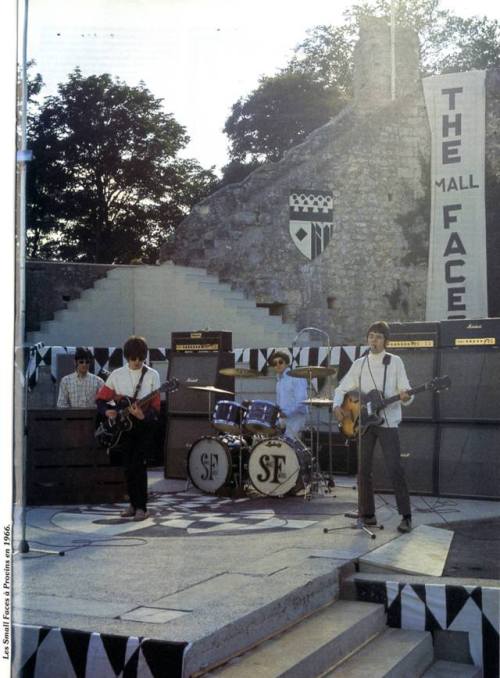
(214, 462)
(228, 416)
(279, 466)
(262, 418)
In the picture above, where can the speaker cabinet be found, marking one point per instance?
(478, 332)
(344, 454)
(182, 432)
(420, 365)
(475, 385)
(418, 444)
(199, 369)
(469, 461)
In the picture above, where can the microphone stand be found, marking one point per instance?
(359, 525)
(23, 546)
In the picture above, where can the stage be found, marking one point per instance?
(206, 577)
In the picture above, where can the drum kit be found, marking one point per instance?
(249, 451)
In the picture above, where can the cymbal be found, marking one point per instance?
(312, 371)
(210, 389)
(318, 402)
(239, 372)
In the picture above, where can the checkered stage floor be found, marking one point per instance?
(192, 513)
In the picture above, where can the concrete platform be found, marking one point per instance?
(423, 551)
(206, 577)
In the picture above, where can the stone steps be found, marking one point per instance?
(156, 300)
(344, 640)
(313, 645)
(395, 653)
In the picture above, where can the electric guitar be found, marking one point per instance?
(364, 412)
(109, 431)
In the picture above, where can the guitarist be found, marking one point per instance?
(135, 380)
(385, 372)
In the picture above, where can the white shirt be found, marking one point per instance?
(290, 392)
(371, 369)
(123, 381)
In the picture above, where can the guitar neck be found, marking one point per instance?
(411, 391)
(149, 397)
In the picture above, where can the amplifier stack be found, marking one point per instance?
(196, 359)
(450, 440)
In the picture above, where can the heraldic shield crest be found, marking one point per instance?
(311, 221)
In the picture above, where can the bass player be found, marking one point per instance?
(134, 380)
(385, 372)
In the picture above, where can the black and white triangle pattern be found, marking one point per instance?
(428, 607)
(41, 651)
(111, 357)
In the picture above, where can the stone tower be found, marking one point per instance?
(355, 183)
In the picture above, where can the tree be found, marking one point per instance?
(277, 115)
(325, 56)
(106, 184)
(465, 44)
(448, 43)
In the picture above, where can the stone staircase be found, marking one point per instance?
(154, 301)
(345, 639)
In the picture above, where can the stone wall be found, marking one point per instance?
(51, 284)
(371, 159)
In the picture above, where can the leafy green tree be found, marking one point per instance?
(448, 43)
(472, 43)
(106, 184)
(277, 115)
(325, 56)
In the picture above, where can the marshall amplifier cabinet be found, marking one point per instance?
(204, 340)
(482, 332)
(200, 371)
(413, 335)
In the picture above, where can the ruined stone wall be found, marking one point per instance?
(373, 158)
(51, 284)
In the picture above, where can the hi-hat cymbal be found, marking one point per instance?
(318, 402)
(210, 389)
(312, 371)
(239, 372)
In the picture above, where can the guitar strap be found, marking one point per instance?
(138, 387)
(387, 360)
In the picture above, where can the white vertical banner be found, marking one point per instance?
(457, 282)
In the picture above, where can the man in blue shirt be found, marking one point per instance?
(290, 394)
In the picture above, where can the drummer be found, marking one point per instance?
(290, 392)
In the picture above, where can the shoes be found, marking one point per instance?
(141, 515)
(405, 525)
(128, 512)
(372, 520)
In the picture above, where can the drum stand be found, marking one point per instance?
(319, 484)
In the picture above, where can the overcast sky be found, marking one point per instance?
(200, 56)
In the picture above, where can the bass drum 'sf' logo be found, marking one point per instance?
(311, 221)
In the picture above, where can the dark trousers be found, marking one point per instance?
(133, 448)
(389, 442)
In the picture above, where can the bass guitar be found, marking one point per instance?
(109, 431)
(364, 411)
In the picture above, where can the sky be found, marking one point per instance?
(199, 56)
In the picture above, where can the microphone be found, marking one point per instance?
(386, 360)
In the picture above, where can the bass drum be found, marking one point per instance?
(279, 466)
(213, 462)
